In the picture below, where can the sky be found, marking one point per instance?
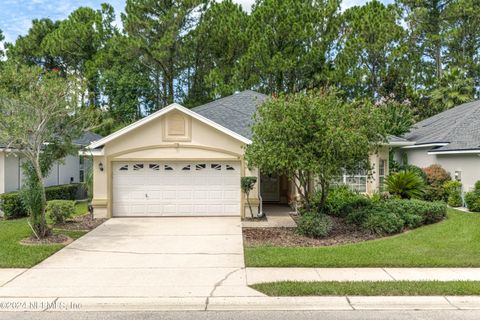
(16, 15)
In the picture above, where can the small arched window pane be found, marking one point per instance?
(124, 168)
(200, 166)
(154, 166)
(138, 166)
(166, 167)
(216, 166)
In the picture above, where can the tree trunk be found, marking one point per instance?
(39, 220)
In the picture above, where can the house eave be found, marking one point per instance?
(465, 151)
(426, 145)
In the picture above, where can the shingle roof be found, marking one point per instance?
(234, 112)
(459, 127)
(87, 138)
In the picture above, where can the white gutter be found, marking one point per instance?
(90, 152)
(425, 145)
(401, 143)
(455, 152)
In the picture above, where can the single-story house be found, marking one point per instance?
(187, 162)
(450, 139)
(70, 170)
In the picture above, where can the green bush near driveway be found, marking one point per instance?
(12, 205)
(314, 225)
(454, 242)
(60, 210)
(369, 288)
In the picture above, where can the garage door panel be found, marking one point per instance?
(165, 189)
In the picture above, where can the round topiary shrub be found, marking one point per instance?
(314, 225)
(60, 210)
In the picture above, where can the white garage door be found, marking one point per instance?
(176, 188)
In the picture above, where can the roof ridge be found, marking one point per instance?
(219, 100)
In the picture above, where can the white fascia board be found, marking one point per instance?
(426, 145)
(454, 152)
(159, 113)
(401, 143)
(91, 152)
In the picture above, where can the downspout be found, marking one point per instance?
(260, 206)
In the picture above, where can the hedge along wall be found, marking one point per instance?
(12, 205)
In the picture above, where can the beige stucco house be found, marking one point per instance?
(187, 162)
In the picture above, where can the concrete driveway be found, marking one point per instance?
(144, 257)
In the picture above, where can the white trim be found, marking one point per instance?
(401, 143)
(91, 152)
(159, 113)
(455, 152)
(440, 144)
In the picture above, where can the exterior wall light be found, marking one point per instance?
(100, 166)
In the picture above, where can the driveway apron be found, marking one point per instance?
(144, 257)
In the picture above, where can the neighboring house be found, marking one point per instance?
(70, 170)
(184, 162)
(450, 139)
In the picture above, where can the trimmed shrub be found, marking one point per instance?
(60, 210)
(454, 192)
(413, 213)
(12, 205)
(405, 185)
(436, 178)
(382, 222)
(472, 199)
(314, 225)
(341, 201)
(62, 192)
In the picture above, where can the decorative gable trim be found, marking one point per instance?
(158, 114)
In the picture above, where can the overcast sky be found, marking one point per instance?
(16, 15)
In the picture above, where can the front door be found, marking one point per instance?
(270, 188)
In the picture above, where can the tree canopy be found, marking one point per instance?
(194, 51)
(316, 135)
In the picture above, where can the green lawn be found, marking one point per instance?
(454, 242)
(15, 255)
(367, 288)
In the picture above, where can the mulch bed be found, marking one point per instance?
(85, 222)
(51, 239)
(341, 233)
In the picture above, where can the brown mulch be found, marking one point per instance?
(51, 239)
(341, 233)
(85, 222)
